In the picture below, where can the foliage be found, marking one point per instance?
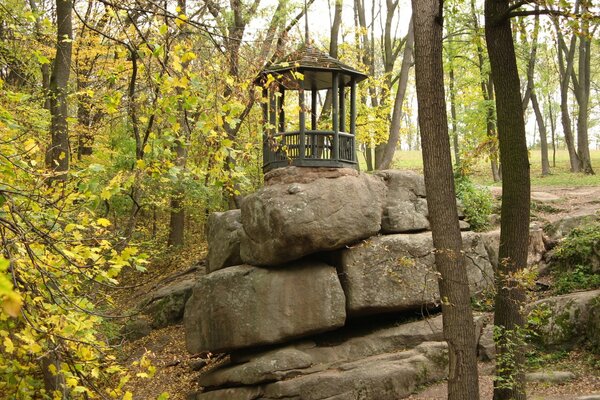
(478, 203)
(508, 360)
(580, 246)
(580, 278)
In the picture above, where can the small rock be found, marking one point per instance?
(550, 376)
(589, 397)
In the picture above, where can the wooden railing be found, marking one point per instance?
(315, 148)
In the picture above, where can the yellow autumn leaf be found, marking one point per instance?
(103, 222)
(9, 347)
(127, 396)
(11, 304)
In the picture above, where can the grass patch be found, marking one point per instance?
(481, 172)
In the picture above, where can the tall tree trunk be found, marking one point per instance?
(177, 213)
(552, 130)
(566, 59)
(530, 94)
(514, 228)
(452, 88)
(459, 329)
(394, 138)
(487, 91)
(543, 134)
(583, 98)
(367, 59)
(58, 155)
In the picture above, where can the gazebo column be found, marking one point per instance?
(342, 108)
(273, 122)
(313, 108)
(302, 121)
(265, 134)
(353, 115)
(281, 109)
(335, 117)
(313, 123)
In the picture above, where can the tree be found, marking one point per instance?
(453, 284)
(566, 60)
(394, 138)
(531, 94)
(58, 154)
(514, 227)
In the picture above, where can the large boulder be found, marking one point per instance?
(568, 319)
(223, 237)
(287, 221)
(535, 251)
(405, 207)
(397, 272)
(561, 228)
(244, 306)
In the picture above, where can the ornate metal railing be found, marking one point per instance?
(314, 148)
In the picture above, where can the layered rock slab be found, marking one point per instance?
(385, 376)
(283, 222)
(397, 272)
(310, 356)
(244, 306)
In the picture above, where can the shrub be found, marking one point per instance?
(577, 260)
(478, 202)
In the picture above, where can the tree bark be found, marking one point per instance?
(394, 138)
(539, 117)
(514, 228)
(583, 98)
(487, 91)
(458, 328)
(177, 214)
(565, 70)
(58, 155)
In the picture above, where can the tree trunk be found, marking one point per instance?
(583, 99)
(407, 59)
(487, 91)
(566, 56)
(514, 228)
(552, 130)
(58, 155)
(459, 329)
(177, 214)
(452, 89)
(543, 134)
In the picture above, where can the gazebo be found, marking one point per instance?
(309, 70)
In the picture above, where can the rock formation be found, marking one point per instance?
(320, 250)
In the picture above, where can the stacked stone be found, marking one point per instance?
(306, 254)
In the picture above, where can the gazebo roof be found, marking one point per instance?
(315, 65)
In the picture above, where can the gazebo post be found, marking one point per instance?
(302, 121)
(353, 114)
(342, 108)
(273, 119)
(313, 108)
(313, 122)
(281, 109)
(335, 116)
(265, 133)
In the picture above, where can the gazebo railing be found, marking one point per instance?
(319, 148)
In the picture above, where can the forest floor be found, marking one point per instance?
(176, 369)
